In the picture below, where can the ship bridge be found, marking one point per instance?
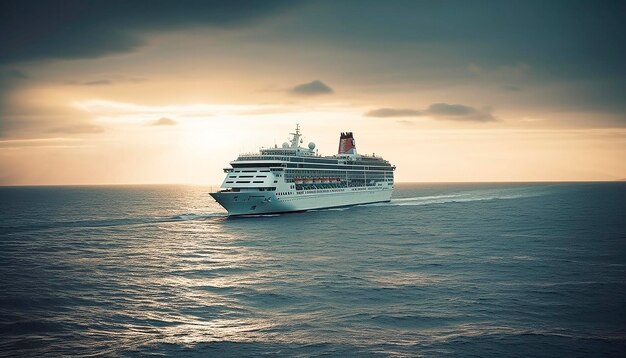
(290, 148)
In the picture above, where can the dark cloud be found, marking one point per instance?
(66, 29)
(576, 47)
(394, 112)
(559, 43)
(164, 122)
(98, 83)
(563, 35)
(312, 88)
(445, 111)
(459, 112)
(450, 109)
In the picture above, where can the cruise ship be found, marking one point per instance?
(295, 178)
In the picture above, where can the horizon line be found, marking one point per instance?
(403, 182)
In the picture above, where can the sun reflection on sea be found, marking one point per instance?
(208, 280)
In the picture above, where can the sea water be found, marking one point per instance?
(443, 269)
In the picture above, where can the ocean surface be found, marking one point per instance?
(487, 270)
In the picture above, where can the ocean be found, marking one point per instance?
(484, 270)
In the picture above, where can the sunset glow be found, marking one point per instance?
(186, 96)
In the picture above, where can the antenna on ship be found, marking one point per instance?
(295, 141)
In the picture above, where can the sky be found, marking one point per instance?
(148, 92)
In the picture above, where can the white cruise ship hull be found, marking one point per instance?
(267, 202)
(293, 178)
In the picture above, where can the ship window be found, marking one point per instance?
(246, 176)
(243, 181)
(252, 165)
(258, 181)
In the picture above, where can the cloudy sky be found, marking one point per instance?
(105, 92)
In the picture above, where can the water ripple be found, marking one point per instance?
(134, 272)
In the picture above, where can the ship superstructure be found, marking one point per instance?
(294, 178)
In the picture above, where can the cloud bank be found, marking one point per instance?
(69, 29)
(443, 111)
(394, 112)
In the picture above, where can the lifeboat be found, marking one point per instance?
(298, 180)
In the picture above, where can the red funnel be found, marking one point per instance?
(346, 143)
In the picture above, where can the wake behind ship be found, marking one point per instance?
(294, 178)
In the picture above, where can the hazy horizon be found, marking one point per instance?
(215, 185)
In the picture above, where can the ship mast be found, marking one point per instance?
(295, 141)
